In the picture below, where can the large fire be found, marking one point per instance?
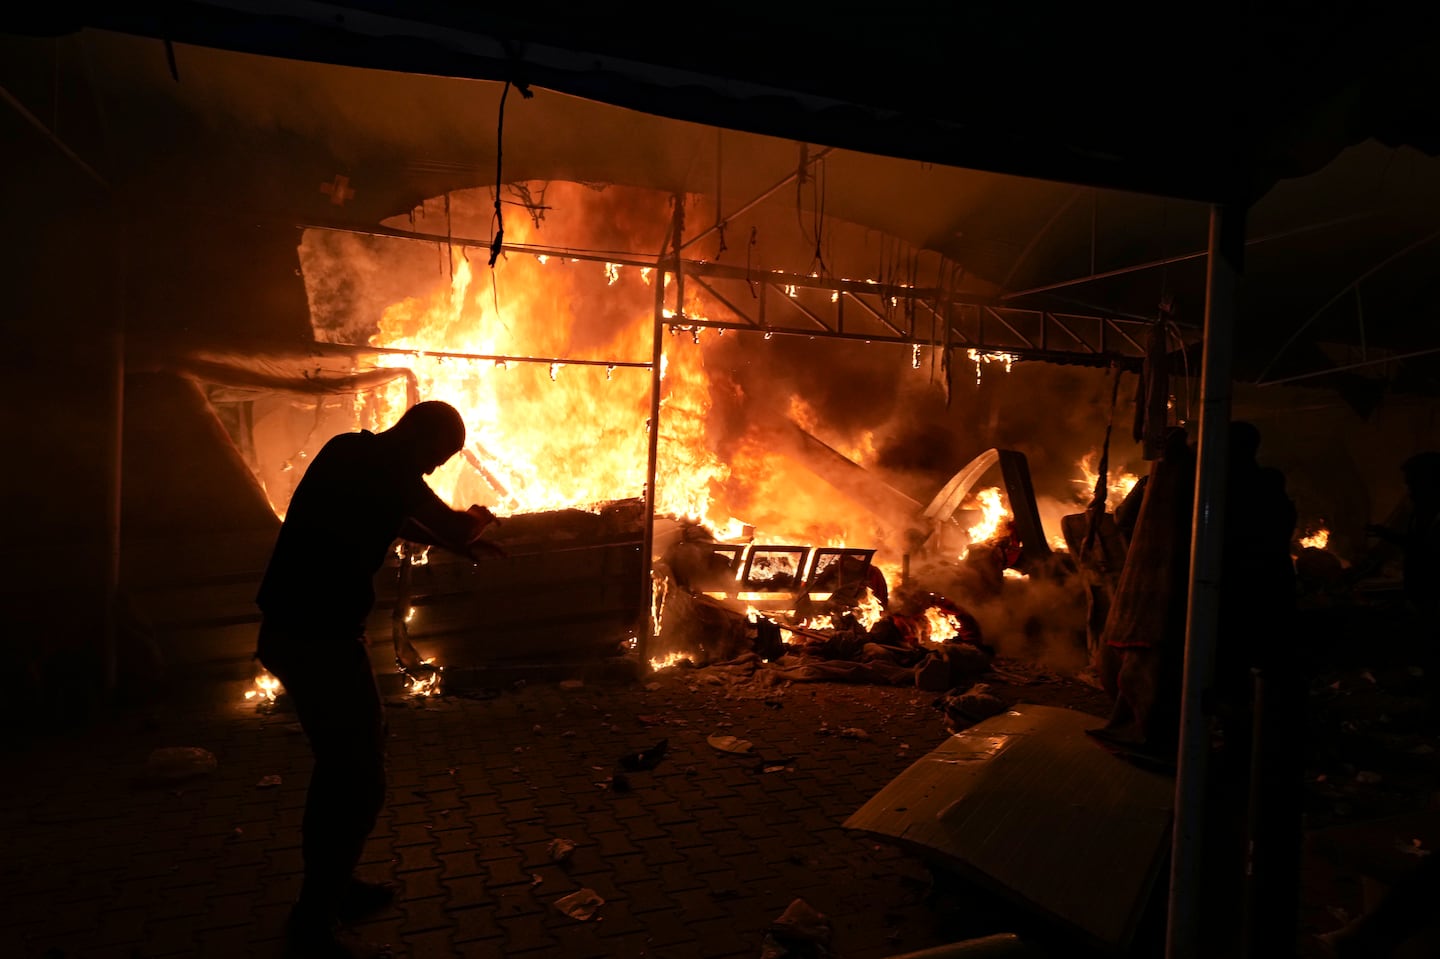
(547, 356)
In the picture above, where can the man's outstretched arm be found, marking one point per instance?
(433, 522)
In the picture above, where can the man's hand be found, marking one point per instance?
(483, 519)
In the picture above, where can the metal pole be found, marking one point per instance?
(1226, 253)
(115, 482)
(652, 453)
(722, 217)
(1183, 257)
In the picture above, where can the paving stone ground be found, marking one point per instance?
(695, 859)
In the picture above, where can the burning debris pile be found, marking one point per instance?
(805, 615)
(772, 446)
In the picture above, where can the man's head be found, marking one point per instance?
(428, 434)
(1422, 475)
(1244, 442)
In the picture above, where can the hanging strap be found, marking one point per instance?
(1096, 509)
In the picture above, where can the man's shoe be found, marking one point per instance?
(362, 899)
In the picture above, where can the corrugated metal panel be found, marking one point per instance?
(1028, 804)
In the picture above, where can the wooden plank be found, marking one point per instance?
(1028, 805)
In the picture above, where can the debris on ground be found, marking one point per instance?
(560, 849)
(581, 904)
(854, 732)
(176, 764)
(730, 744)
(801, 932)
(645, 759)
(963, 709)
(267, 782)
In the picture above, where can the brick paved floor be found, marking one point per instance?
(695, 859)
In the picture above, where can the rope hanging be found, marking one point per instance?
(499, 241)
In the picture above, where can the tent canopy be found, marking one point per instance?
(1046, 152)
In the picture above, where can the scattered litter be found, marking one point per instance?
(572, 683)
(176, 764)
(1367, 777)
(645, 759)
(536, 728)
(1369, 675)
(730, 744)
(536, 879)
(778, 769)
(567, 734)
(236, 833)
(800, 931)
(650, 720)
(268, 781)
(854, 732)
(581, 904)
(652, 686)
(560, 849)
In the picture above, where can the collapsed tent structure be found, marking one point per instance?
(184, 174)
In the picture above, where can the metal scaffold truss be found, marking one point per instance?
(786, 304)
(776, 303)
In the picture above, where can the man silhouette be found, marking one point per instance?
(360, 492)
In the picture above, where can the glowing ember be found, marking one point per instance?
(427, 684)
(668, 660)
(1319, 539)
(992, 514)
(266, 688)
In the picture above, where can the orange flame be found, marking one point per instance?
(992, 514)
(267, 688)
(658, 663)
(1121, 481)
(1318, 539)
(940, 626)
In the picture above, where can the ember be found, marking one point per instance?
(1316, 539)
(266, 688)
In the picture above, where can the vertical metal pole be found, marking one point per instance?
(647, 549)
(1225, 257)
(115, 484)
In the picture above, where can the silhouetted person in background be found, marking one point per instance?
(361, 492)
(1257, 579)
(1143, 643)
(1261, 768)
(1416, 530)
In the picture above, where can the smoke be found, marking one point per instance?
(1039, 619)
